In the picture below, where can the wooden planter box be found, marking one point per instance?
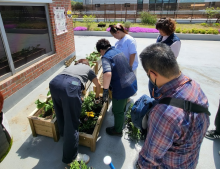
(43, 126)
(98, 64)
(100, 77)
(89, 140)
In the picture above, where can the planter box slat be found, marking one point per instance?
(101, 91)
(42, 123)
(44, 133)
(43, 128)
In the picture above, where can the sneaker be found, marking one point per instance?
(212, 134)
(111, 131)
(82, 157)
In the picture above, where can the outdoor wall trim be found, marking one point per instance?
(27, 1)
(21, 93)
(152, 35)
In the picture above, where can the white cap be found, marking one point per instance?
(107, 160)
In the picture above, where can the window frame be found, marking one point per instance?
(6, 44)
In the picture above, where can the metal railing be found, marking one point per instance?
(193, 10)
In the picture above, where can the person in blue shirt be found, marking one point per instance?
(118, 74)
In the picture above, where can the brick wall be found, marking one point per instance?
(63, 44)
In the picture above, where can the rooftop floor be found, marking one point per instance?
(198, 59)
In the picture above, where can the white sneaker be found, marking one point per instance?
(82, 157)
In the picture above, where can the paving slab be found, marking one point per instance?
(198, 59)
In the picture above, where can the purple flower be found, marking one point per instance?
(10, 26)
(139, 29)
(108, 29)
(147, 30)
(79, 28)
(219, 30)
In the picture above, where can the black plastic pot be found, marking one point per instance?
(101, 25)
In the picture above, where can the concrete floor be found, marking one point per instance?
(198, 59)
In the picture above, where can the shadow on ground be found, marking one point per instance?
(45, 149)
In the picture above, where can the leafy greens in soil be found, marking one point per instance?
(89, 114)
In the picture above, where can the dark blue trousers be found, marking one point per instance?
(66, 95)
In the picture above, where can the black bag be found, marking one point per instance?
(5, 140)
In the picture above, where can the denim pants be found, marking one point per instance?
(66, 95)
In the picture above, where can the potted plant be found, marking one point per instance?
(43, 120)
(101, 24)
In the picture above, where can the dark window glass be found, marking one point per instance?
(152, 1)
(27, 32)
(169, 1)
(4, 67)
(140, 1)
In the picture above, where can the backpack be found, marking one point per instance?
(140, 108)
(145, 104)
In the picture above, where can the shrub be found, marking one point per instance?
(195, 31)
(97, 29)
(215, 24)
(203, 24)
(88, 20)
(202, 31)
(76, 6)
(178, 30)
(215, 32)
(147, 18)
(127, 25)
(184, 31)
(102, 23)
(190, 31)
(210, 31)
(74, 19)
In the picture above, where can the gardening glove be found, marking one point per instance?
(105, 95)
(97, 100)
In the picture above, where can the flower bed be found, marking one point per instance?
(80, 28)
(139, 29)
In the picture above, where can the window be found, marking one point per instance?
(152, 1)
(27, 32)
(139, 1)
(4, 67)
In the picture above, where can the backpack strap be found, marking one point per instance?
(185, 105)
